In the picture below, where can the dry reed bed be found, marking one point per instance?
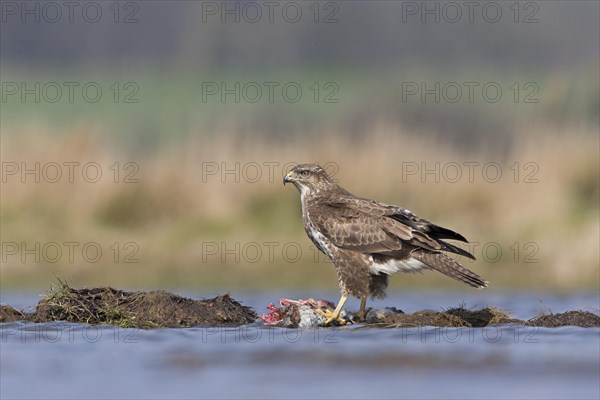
(176, 204)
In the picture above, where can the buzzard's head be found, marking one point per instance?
(308, 177)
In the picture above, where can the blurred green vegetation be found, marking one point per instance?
(170, 107)
(164, 221)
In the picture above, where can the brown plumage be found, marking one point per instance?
(368, 240)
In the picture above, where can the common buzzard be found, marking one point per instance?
(368, 240)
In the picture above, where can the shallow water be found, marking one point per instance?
(63, 360)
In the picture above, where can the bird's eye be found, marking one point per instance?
(304, 174)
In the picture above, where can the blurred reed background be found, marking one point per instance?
(198, 199)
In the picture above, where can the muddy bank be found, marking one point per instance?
(459, 317)
(453, 317)
(156, 309)
(306, 314)
(583, 319)
(160, 309)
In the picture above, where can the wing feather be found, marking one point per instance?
(359, 232)
(372, 227)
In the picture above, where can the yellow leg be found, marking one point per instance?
(335, 315)
(362, 312)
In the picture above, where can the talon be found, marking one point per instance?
(331, 317)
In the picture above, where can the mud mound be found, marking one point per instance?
(458, 317)
(583, 319)
(454, 317)
(10, 314)
(397, 318)
(483, 317)
(156, 309)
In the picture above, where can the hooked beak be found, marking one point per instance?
(288, 178)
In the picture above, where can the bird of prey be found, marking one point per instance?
(368, 240)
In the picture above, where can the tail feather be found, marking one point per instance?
(447, 266)
(438, 232)
(456, 250)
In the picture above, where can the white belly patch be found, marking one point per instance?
(392, 266)
(320, 241)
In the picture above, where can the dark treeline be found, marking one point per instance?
(188, 35)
